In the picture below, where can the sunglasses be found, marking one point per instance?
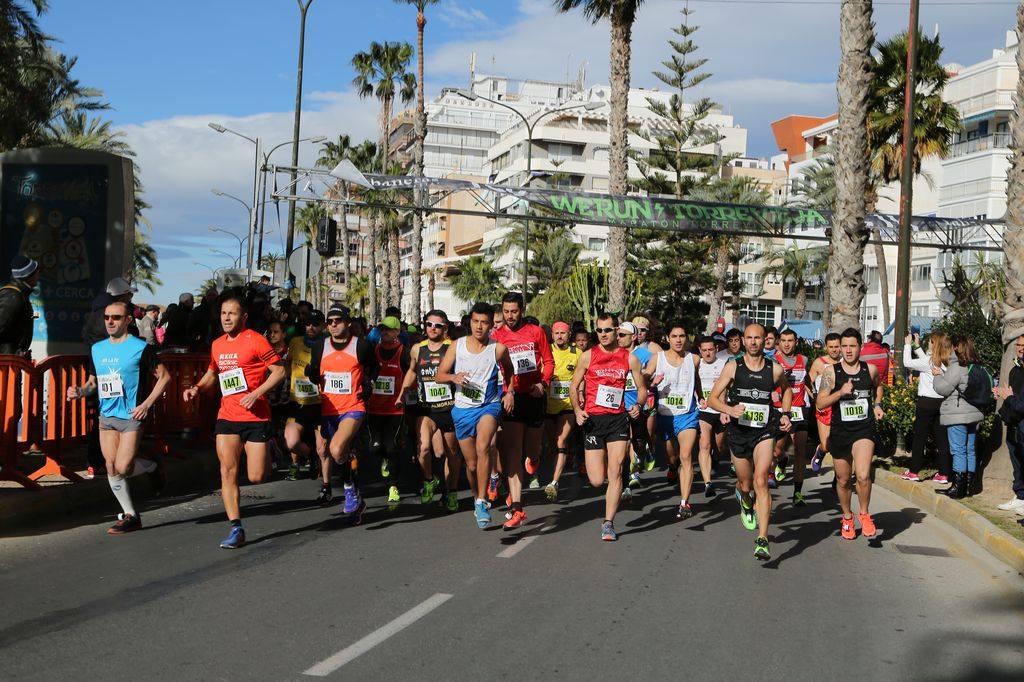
(434, 325)
(115, 318)
(641, 329)
(605, 330)
(334, 321)
(622, 334)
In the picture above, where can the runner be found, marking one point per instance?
(795, 367)
(733, 344)
(342, 366)
(481, 370)
(673, 374)
(603, 414)
(522, 427)
(581, 339)
(771, 339)
(433, 411)
(386, 415)
(712, 430)
(743, 395)
(302, 425)
(560, 416)
(246, 368)
(121, 370)
(642, 430)
(823, 417)
(854, 388)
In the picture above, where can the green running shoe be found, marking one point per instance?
(385, 472)
(293, 472)
(534, 483)
(761, 552)
(451, 502)
(799, 500)
(393, 497)
(649, 463)
(634, 466)
(780, 473)
(551, 490)
(427, 493)
(748, 517)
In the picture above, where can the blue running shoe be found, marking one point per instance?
(608, 533)
(481, 514)
(235, 539)
(819, 454)
(352, 500)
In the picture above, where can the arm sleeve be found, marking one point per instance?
(922, 364)
(546, 355)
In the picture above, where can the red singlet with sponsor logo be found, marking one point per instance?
(385, 386)
(606, 381)
(796, 373)
(530, 352)
(251, 353)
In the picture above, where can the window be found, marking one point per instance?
(870, 316)
(751, 285)
(595, 244)
(921, 273)
(919, 310)
(601, 154)
(762, 314)
(353, 248)
(558, 151)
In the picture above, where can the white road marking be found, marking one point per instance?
(351, 652)
(520, 545)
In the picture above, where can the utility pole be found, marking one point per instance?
(303, 7)
(906, 189)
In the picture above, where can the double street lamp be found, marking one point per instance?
(241, 242)
(530, 125)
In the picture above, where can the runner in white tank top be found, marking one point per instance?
(712, 430)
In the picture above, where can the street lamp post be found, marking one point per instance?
(303, 8)
(589, 106)
(255, 188)
(241, 241)
(316, 139)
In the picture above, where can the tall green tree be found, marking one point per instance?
(935, 123)
(799, 266)
(853, 165)
(382, 73)
(621, 14)
(420, 129)
(476, 280)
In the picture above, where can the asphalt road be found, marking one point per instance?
(421, 593)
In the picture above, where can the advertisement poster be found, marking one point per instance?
(57, 215)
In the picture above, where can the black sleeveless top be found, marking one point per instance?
(854, 414)
(753, 389)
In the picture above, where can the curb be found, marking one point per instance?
(27, 509)
(983, 532)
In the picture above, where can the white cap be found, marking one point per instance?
(627, 327)
(119, 286)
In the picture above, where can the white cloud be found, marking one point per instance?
(454, 13)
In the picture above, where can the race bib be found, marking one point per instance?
(384, 386)
(754, 415)
(338, 383)
(559, 390)
(630, 384)
(675, 400)
(524, 361)
(110, 386)
(472, 393)
(232, 382)
(608, 396)
(436, 393)
(853, 410)
(796, 414)
(304, 388)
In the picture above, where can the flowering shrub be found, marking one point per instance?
(899, 402)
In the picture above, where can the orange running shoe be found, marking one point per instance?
(847, 529)
(492, 487)
(867, 526)
(508, 500)
(531, 466)
(518, 519)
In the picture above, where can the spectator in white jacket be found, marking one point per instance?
(935, 353)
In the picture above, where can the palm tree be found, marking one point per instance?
(799, 266)
(356, 292)
(849, 234)
(553, 261)
(621, 14)
(477, 280)
(382, 72)
(420, 123)
(935, 123)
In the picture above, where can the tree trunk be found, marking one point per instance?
(826, 298)
(998, 473)
(621, 35)
(883, 279)
(383, 235)
(417, 218)
(721, 273)
(372, 274)
(395, 256)
(431, 285)
(849, 233)
(801, 301)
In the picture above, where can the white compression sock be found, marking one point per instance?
(143, 466)
(119, 486)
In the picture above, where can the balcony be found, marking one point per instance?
(980, 144)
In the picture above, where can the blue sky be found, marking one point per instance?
(168, 68)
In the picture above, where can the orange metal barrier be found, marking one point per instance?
(173, 413)
(19, 395)
(67, 422)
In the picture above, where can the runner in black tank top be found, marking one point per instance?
(743, 394)
(852, 390)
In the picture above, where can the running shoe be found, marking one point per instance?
(819, 455)
(126, 523)
(748, 517)
(634, 465)
(531, 466)
(772, 481)
(325, 496)
(867, 526)
(481, 514)
(649, 463)
(608, 533)
(909, 475)
(451, 502)
(393, 497)
(761, 552)
(90, 473)
(779, 473)
(551, 491)
(293, 472)
(508, 500)
(427, 493)
(709, 490)
(846, 529)
(235, 539)
(517, 520)
(492, 487)
(685, 511)
(385, 471)
(352, 500)
(634, 480)
(732, 470)
(799, 500)
(356, 517)
(534, 483)
(627, 495)
(939, 478)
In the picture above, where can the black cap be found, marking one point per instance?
(317, 318)
(339, 311)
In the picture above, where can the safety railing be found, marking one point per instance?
(35, 414)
